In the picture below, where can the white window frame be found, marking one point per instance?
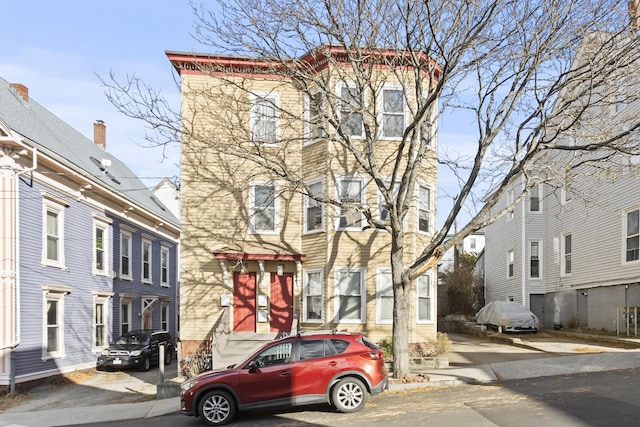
(341, 213)
(539, 259)
(567, 257)
(165, 266)
(511, 198)
(58, 209)
(100, 300)
(57, 294)
(429, 210)
(103, 225)
(384, 113)
(510, 263)
(315, 130)
(253, 211)
(363, 295)
(306, 294)
(146, 242)
(129, 246)
(635, 235)
(343, 107)
(310, 203)
(430, 297)
(164, 316)
(256, 116)
(125, 318)
(384, 293)
(565, 195)
(535, 193)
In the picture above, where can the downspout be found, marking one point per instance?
(523, 248)
(16, 283)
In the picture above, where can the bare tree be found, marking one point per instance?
(534, 75)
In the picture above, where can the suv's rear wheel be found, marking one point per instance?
(349, 395)
(168, 357)
(217, 408)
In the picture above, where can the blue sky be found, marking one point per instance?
(57, 50)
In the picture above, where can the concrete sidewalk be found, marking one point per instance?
(561, 358)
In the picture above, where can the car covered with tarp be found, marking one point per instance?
(507, 316)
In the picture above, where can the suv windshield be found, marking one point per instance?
(132, 339)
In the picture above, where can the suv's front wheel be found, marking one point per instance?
(349, 395)
(145, 364)
(217, 408)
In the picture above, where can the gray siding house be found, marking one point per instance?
(569, 248)
(86, 250)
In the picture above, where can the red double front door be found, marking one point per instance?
(245, 307)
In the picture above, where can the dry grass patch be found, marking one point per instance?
(588, 350)
(9, 400)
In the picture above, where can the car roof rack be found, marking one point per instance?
(323, 332)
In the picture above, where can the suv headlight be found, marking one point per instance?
(105, 352)
(188, 384)
(136, 352)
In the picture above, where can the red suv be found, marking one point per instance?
(339, 368)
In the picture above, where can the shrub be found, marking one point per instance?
(430, 348)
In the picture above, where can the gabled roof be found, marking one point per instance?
(56, 140)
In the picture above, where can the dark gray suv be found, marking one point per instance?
(137, 349)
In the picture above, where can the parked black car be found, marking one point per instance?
(137, 349)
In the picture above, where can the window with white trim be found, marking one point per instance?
(100, 326)
(146, 260)
(265, 118)
(350, 197)
(263, 208)
(350, 295)
(125, 316)
(53, 234)
(315, 103)
(164, 266)
(510, 261)
(393, 113)
(125, 254)
(566, 254)
(511, 199)
(424, 294)
(101, 247)
(535, 202)
(534, 259)
(313, 209)
(350, 116)
(313, 295)
(632, 236)
(384, 296)
(384, 210)
(424, 208)
(53, 346)
(164, 317)
(565, 195)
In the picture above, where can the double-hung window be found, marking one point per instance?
(263, 208)
(384, 296)
(164, 317)
(393, 113)
(534, 259)
(511, 200)
(125, 254)
(632, 236)
(164, 266)
(510, 261)
(313, 211)
(125, 316)
(313, 300)
(425, 300)
(566, 254)
(101, 247)
(350, 115)
(424, 208)
(146, 260)
(384, 210)
(53, 234)
(265, 118)
(350, 197)
(53, 321)
(350, 295)
(534, 198)
(316, 120)
(100, 319)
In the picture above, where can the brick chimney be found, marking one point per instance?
(22, 90)
(100, 134)
(634, 14)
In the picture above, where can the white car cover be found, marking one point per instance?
(508, 314)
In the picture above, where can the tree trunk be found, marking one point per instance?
(401, 298)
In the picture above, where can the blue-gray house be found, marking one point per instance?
(86, 249)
